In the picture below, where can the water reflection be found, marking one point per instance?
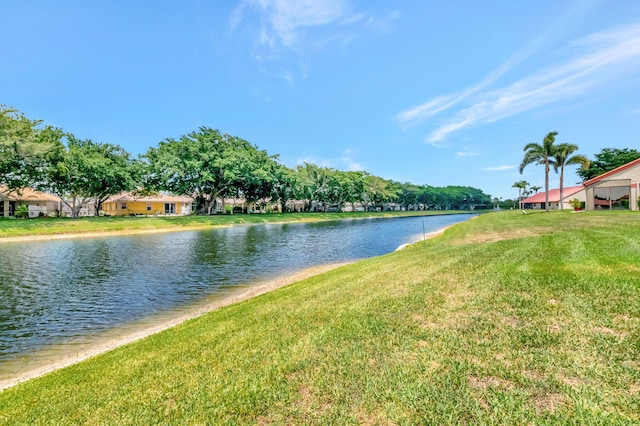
(74, 289)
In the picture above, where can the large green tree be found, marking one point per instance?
(85, 171)
(564, 157)
(255, 175)
(606, 160)
(313, 185)
(345, 187)
(284, 186)
(25, 149)
(378, 191)
(541, 154)
(209, 166)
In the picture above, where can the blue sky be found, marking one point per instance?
(428, 92)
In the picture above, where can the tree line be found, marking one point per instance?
(205, 164)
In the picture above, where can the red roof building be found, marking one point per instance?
(617, 189)
(568, 193)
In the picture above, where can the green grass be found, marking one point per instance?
(55, 226)
(505, 319)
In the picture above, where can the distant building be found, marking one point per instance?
(126, 203)
(536, 202)
(39, 203)
(617, 189)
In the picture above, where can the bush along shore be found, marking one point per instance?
(506, 319)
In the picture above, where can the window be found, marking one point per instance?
(169, 208)
(148, 207)
(124, 206)
(612, 197)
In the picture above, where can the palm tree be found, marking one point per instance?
(562, 158)
(541, 154)
(535, 189)
(522, 187)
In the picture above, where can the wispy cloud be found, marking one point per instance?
(349, 163)
(417, 115)
(345, 162)
(279, 28)
(467, 154)
(596, 63)
(499, 168)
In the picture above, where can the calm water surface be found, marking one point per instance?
(56, 291)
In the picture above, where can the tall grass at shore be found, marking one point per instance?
(505, 319)
(10, 227)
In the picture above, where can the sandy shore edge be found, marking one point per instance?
(247, 293)
(95, 234)
(125, 232)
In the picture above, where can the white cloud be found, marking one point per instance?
(279, 28)
(288, 23)
(384, 24)
(499, 168)
(467, 154)
(598, 62)
(351, 165)
(345, 162)
(421, 113)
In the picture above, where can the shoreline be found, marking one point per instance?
(116, 338)
(139, 332)
(126, 232)
(99, 234)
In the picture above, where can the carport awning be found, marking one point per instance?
(612, 183)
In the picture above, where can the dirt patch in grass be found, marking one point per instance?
(513, 322)
(572, 382)
(534, 375)
(377, 417)
(548, 402)
(490, 382)
(610, 331)
(510, 234)
(308, 402)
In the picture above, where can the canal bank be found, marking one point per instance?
(261, 258)
(488, 323)
(13, 230)
(68, 353)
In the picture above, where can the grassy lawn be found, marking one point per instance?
(505, 319)
(55, 226)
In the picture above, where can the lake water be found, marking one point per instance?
(61, 291)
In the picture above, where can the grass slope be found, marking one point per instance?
(505, 319)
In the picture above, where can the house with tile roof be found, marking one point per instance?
(127, 203)
(39, 203)
(537, 201)
(617, 189)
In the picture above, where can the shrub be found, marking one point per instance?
(22, 212)
(575, 203)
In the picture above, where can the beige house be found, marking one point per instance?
(89, 209)
(126, 204)
(39, 203)
(536, 202)
(617, 189)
